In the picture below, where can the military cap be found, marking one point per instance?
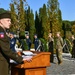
(58, 32)
(4, 14)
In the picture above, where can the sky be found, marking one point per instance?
(67, 7)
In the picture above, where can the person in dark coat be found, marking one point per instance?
(12, 41)
(5, 52)
(50, 46)
(73, 49)
(36, 42)
(28, 41)
(73, 46)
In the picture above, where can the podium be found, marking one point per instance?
(36, 67)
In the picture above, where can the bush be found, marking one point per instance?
(44, 43)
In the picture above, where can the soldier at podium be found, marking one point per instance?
(5, 52)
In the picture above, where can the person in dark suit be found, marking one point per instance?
(28, 41)
(5, 52)
(36, 42)
(73, 49)
(12, 41)
(73, 46)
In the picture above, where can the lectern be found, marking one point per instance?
(36, 67)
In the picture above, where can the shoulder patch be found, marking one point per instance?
(1, 34)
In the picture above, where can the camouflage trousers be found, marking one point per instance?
(59, 55)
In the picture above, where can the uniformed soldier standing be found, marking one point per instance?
(59, 46)
(5, 52)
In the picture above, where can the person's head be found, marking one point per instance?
(72, 37)
(35, 36)
(11, 35)
(50, 35)
(58, 34)
(5, 19)
(27, 36)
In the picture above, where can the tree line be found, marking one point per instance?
(48, 19)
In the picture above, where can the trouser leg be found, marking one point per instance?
(59, 55)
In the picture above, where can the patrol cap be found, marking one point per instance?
(4, 14)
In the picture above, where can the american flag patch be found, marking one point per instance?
(1, 35)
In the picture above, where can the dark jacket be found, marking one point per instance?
(28, 41)
(36, 43)
(73, 49)
(6, 53)
(12, 44)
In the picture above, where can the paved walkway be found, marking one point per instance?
(66, 68)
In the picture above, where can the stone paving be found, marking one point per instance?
(66, 68)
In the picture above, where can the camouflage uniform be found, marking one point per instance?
(59, 46)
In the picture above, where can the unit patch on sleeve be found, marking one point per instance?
(1, 34)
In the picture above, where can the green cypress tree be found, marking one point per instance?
(21, 16)
(53, 8)
(45, 25)
(30, 24)
(18, 14)
(14, 18)
(37, 24)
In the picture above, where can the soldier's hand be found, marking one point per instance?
(27, 59)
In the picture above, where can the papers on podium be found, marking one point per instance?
(26, 55)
